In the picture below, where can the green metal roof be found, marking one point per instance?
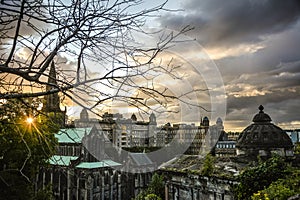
(62, 160)
(72, 135)
(93, 165)
(141, 159)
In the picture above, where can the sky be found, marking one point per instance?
(255, 45)
(246, 52)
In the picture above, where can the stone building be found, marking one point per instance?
(133, 133)
(182, 186)
(294, 135)
(122, 132)
(199, 138)
(87, 166)
(185, 180)
(225, 148)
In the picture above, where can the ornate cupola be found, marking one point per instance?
(263, 138)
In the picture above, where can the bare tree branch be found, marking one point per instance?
(94, 47)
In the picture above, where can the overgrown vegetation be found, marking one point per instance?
(25, 145)
(257, 178)
(297, 148)
(208, 165)
(155, 190)
(281, 189)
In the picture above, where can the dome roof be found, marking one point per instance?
(261, 117)
(262, 134)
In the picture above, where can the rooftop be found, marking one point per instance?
(62, 160)
(72, 135)
(100, 164)
(140, 159)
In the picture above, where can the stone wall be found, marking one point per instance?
(183, 186)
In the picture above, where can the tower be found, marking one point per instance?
(133, 117)
(152, 119)
(205, 124)
(151, 130)
(51, 101)
(84, 116)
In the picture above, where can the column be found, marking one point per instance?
(51, 176)
(44, 182)
(68, 184)
(102, 186)
(77, 187)
(111, 186)
(59, 185)
(119, 187)
(166, 191)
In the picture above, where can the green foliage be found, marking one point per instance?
(297, 148)
(44, 194)
(156, 185)
(24, 147)
(208, 165)
(155, 190)
(141, 196)
(152, 197)
(257, 178)
(282, 188)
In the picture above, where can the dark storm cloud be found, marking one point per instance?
(255, 44)
(286, 75)
(280, 54)
(282, 110)
(275, 85)
(230, 22)
(254, 101)
(280, 94)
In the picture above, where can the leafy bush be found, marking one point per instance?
(155, 190)
(208, 165)
(257, 178)
(281, 189)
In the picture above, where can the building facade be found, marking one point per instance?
(88, 163)
(182, 186)
(86, 166)
(184, 179)
(123, 132)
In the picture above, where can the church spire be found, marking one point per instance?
(52, 101)
(52, 77)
